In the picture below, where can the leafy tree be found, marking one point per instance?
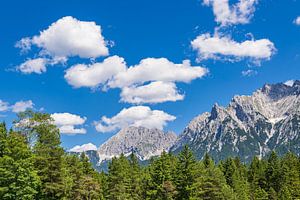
(18, 178)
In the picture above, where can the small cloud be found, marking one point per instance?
(297, 21)
(134, 116)
(4, 106)
(66, 123)
(83, 148)
(37, 66)
(238, 13)
(249, 73)
(154, 92)
(224, 48)
(22, 106)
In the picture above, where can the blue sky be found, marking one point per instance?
(137, 30)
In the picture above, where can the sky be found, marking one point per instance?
(100, 65)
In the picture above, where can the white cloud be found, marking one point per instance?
(289, 83)
(66, 123)
(157, 69)
(156, 75)
(68, 37)
(37, 65)
(4, 106)
(95, 74)
(249, 72)
(154, 92)
(239, 13)
(83, 148)
(22, 106)
(297, 21)
(134, 116)
(216, 47)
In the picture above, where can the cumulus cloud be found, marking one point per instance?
(95, 74)
(4, 106)
(83, 148)
(22, 106)
(66, 123)
(218, 47)
(297, 21)
(158, 69)
(238, 13)
(37, 66)
(154, 92)
(134, 116)
(151, 81)
(68, 37)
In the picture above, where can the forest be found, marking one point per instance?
(33, 165)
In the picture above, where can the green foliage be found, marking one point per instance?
(18, 178)
(33, 165)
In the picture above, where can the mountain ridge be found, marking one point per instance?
(250, 125)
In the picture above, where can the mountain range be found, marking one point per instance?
(249, 126)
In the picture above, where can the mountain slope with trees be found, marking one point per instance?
(33, 165)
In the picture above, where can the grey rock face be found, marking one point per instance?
(143, 141)
(267, 120)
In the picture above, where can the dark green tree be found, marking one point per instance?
(186, 173)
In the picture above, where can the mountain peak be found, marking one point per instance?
(249, 126)
(143, 141)
(280, 90)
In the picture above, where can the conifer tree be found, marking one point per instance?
(135, 178)
(118, 179)
(48, 156)
(273, 173)
(186, 173)
(291, 175)
(161, 178)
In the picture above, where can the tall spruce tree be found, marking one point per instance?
(48, 156)
(186, 173)
(118, 179)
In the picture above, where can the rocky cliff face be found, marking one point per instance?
(143, 141)
(267, 120)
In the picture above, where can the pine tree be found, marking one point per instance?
(273, 173)
(48, 159)
(186, 173)
(3, 139)
(211, 183)
(118, 179)
(135, 178)
(257, 177)
(160, 184)
(291, 174)
(235, 173)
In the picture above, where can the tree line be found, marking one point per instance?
(33, 165)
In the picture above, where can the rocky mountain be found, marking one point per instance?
(267, 120)
(143, 141)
